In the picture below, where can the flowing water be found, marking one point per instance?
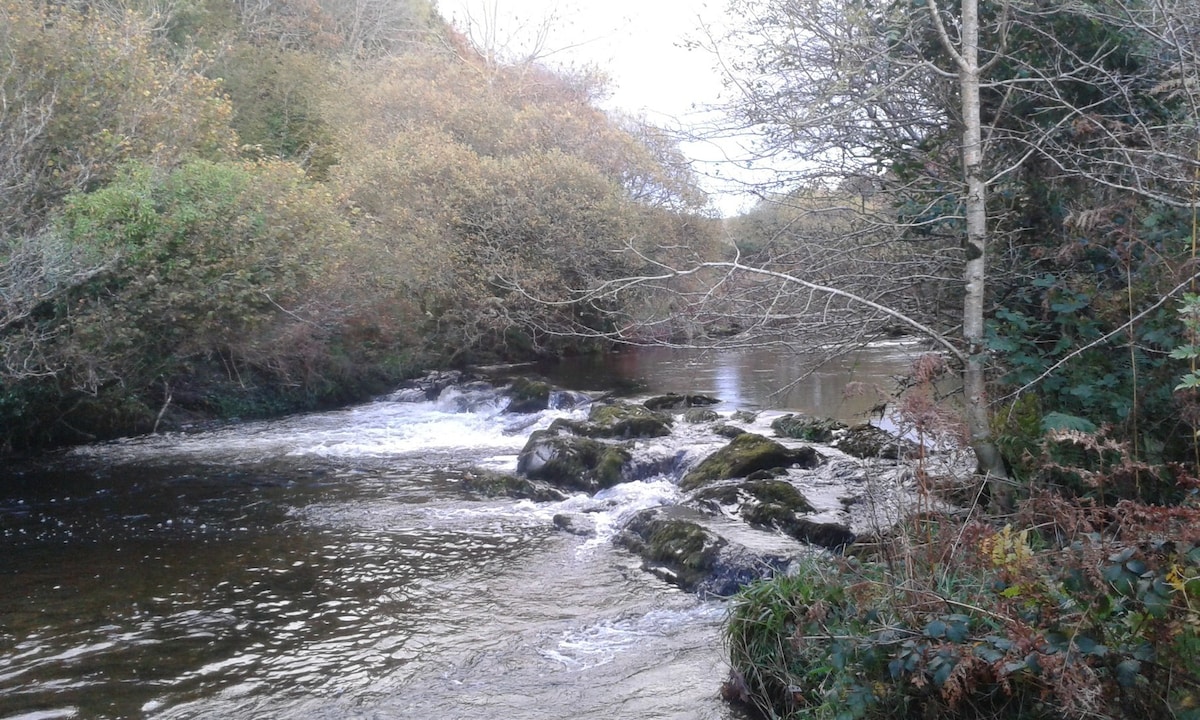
(330, 566)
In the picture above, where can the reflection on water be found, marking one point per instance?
(846, 388)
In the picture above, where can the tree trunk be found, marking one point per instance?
(990, 462)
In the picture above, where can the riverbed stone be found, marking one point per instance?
(744, 416)
(685, 553)
(803, 427)
(677, 401)
(571, 462)
(580, 524)
(766, 493)
(832, 536)
(429, 386)
(678, 550)
(627, 421)
(695, 416)
(728, 431)
(527, 396)
(745, 454)
(486, 483)
(869, 442)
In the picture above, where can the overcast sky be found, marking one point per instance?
(638, 43)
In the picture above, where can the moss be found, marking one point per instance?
(769, 502)
(778, 492)
(528, 396)
(683, 548)
(803, 427)
(746, 454)
(682, 542)
(626, 421)
(572, 462)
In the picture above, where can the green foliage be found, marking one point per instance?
(1189, 316)
(276, 97)
(86, 93)
(1098, 627)
(324, 207)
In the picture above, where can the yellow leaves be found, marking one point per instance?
(1007, 549)
(1176, 579)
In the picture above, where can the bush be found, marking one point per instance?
(966, 620)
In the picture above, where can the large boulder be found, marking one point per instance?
(868, 442)
(689, 555)
(803, 427)
(698, 415)
(572, 462)
(626, 421)
(745, 454)
(832, 536)
(620, 421)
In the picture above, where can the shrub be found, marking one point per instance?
(952, 619)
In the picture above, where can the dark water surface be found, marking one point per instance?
(329, 566)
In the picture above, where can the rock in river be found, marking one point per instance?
(744, 455)
(803, 427)
(684, 552)
(571, 462)
(868, 441)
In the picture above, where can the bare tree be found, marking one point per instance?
(949, 112)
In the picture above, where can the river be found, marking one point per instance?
(330, 566)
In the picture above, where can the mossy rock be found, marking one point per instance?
(528, 396)
(766, 502)
(745, 416)
(572, 462)
(696, 416)
(778, 492)
(485, 483)
(625, 421)
(675, 401)
(803, 427)
(868, 441)
(745, 454)
(683, 549)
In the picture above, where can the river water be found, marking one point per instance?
(330, 566)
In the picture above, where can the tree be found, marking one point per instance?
(976, 126)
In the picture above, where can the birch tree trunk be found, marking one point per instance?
(966, 56)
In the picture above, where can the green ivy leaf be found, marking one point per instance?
(935, 629)
(1127, 672)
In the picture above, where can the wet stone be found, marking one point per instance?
(676, 401)
(745, 454)
(803, 427)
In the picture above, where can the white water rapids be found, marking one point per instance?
(330, 566)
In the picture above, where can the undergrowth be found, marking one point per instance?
(1070, 610)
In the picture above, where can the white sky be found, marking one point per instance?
(638, 44)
